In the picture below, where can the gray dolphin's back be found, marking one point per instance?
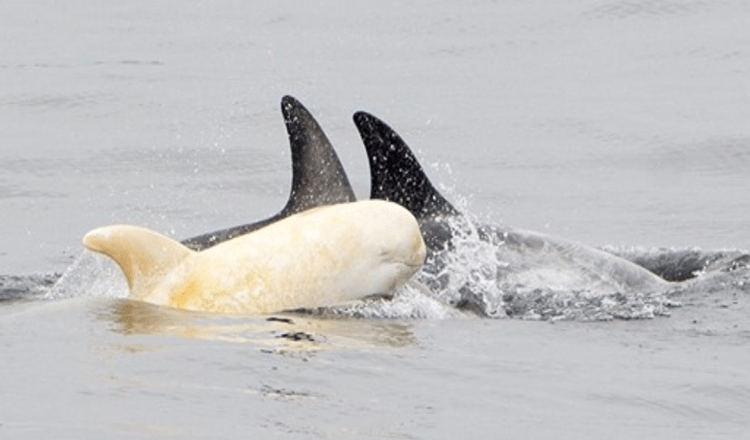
(526, 258)
(317, 175)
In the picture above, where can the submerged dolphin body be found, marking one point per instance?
(325, 256)
(317, 175)
(522, 261)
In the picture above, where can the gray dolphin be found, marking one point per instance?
(519, 260)
(317, 179)
(317, 175)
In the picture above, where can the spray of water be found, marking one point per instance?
(90, 275)
(480, 275)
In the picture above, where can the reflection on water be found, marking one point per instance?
(296, 331)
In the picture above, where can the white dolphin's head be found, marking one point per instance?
(396, 235)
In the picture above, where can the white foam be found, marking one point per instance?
(90, 275)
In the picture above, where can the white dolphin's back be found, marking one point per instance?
(325, 256)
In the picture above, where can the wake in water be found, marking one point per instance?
(25, 287)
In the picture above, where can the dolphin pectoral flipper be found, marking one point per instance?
(318, 178)
(395, 173)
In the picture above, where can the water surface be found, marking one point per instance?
(611, 123)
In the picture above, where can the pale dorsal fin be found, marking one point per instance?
(143, 255)
(395, 173)
(317, 175)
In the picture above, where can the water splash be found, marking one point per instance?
(90, 275)
(480, 274)
(465, 275)
(413, 300)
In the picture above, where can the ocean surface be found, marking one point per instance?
(621, 125)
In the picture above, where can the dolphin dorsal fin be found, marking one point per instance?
(143, 255)
(395, 173)
(317, 175)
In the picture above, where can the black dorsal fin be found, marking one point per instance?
(317, 175)
(395, 173)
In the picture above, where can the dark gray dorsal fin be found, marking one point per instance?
(395, 173)
(317, 175)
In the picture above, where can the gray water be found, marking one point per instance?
(612, 123)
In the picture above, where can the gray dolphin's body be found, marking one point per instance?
(317, 175)
(525, 260)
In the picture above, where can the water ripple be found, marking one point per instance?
(626, 9)
(54, 102)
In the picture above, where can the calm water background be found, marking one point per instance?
(607, 122)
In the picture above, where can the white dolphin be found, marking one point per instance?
(326, 256)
